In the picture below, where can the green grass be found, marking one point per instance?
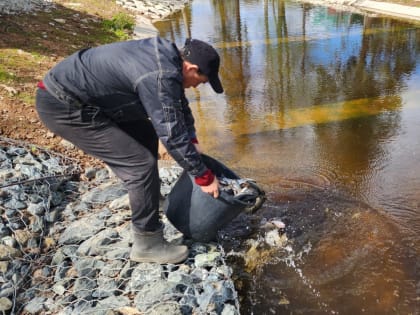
(5, 76)
(121, 24)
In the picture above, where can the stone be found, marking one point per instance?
(7, 253)
(153, 292)
(229, 309)
(59, 289)
(106, 287)
(4, 265)
(104, 193)
(113, 303)
(84, 287)
(81, 230)
(168, 308)
(88, 267)
(36, 208)
(35, 306)
(120, 203)
(206, 260)
(5, 304)
(121, 251)
(96, 245)
(90, 172)
(145, 273)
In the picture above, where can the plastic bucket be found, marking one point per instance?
(196, 214)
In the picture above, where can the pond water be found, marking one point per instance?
(322, 108)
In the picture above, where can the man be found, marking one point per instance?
(115, 101)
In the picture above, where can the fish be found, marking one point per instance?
(245, 190)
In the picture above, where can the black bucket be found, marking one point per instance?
(199, 215)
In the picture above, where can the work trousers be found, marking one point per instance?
(129, 148)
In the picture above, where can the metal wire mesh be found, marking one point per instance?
(65, 247)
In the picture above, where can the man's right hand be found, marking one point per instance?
(212, 189)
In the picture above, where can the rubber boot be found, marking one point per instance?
(152, 247)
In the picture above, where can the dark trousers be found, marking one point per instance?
(129, 148)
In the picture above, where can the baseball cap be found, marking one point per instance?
(206, 58)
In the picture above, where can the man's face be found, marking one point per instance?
(192, 76)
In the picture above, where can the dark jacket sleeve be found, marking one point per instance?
(162, 97)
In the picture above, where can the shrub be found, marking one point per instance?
(121, 24)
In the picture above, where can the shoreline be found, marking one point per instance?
(145, 19)
(372, 8)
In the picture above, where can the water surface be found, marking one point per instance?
(322, 108)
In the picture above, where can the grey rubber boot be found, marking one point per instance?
(152, 247)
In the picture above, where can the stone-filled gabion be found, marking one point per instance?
(16, 6)
(64, 246)
(153, 9)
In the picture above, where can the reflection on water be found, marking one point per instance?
(318, 105)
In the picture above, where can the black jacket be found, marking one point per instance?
(134, 80)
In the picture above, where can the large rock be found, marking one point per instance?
(81, 230)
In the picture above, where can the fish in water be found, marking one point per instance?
(245, 190)
(240, 187)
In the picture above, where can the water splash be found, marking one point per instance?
(292, 259)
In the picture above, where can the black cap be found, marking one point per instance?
(206, 58)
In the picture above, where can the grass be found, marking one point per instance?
(121, 25)
(30, 44)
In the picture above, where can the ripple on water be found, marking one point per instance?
(342, 257)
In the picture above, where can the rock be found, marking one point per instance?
(36, 209)
(145, 273)
(81, 230)
(90, 243)
(8, 253)
(153, 292)
(120, 203)
(229, 309)
(113, 303)
(90, 173)
(206, 260)
(96, 245)
(5, 304)
(106, 287)
(83, 288)
(4, 265)
(59, 289)
(35, 306)
(168, 308)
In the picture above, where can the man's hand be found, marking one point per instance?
(212, 189)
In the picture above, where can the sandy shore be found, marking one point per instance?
(405, 12)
